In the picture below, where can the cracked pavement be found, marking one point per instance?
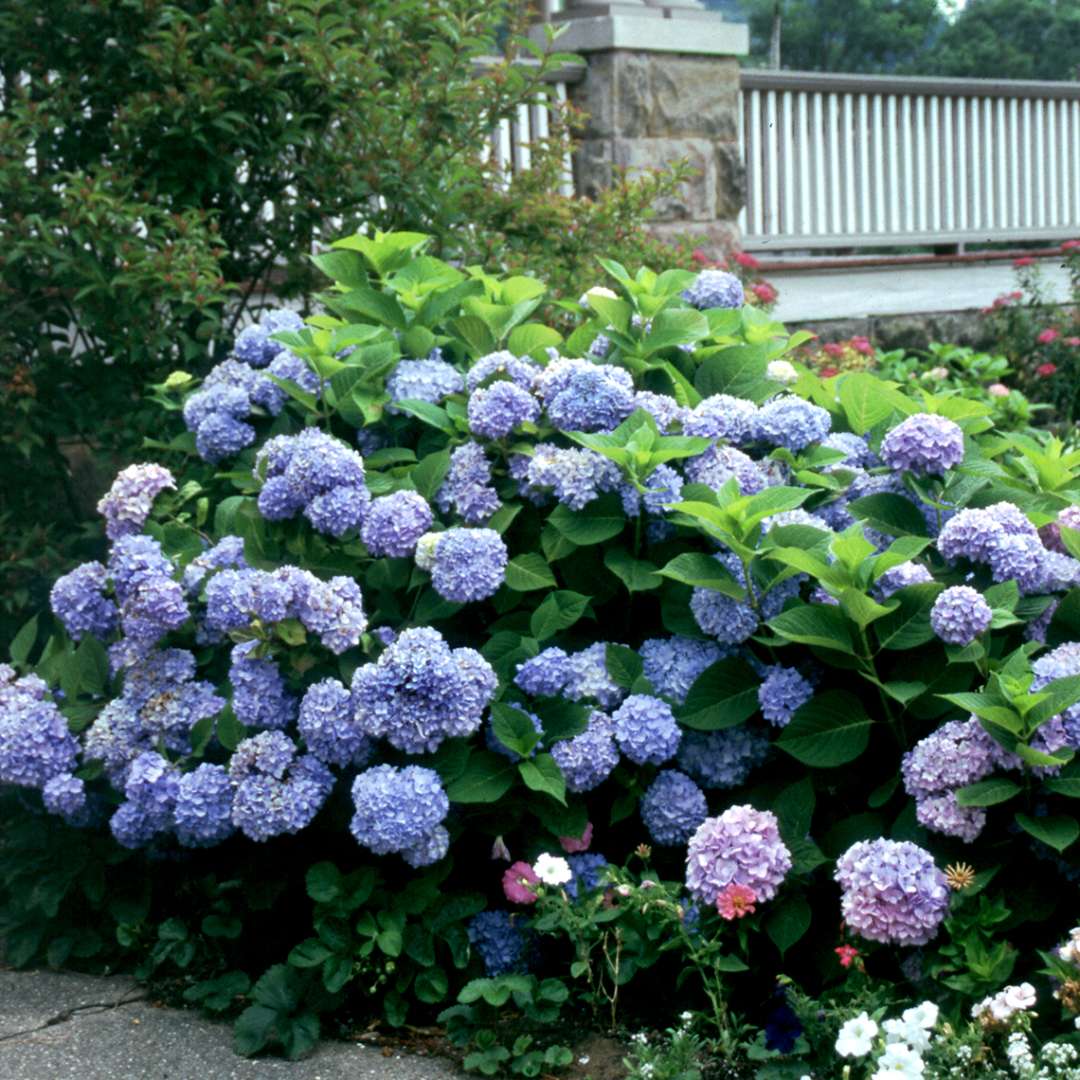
(63, 1026)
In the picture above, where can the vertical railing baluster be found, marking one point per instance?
(806, 225)
(772, 220)
(881, 224)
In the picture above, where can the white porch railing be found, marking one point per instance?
(839, 161)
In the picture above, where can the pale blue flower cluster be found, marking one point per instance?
(315, 474)
(900, 577)
(467, 489)
(732, 621)
(253, 345)
(65, 796)
(663, 485)
(401, 811)
(924, 444)
(582, 396)
(420, 692)
(672, 664)
(856, 450)
(497, 410)
(665, 410)
(203, 811)
(259, 695)
(790, 422)
(150, 791)
(715, 289)
(722, 416)
(78, 600)
(645, 730)
(722, 759)
(469, 564)
(574, 476)
(127, 504)
(717, 465)
(501, 941)
(1060, 663)
(395, 522)
(673, 807)
(329, 728)
(431, 380)
(227, 553)
(892, 891)
(959, 615)
(588, 759)
(35, 743)
(783, 690)
(740, 847)
(502, 366)
(151, 602)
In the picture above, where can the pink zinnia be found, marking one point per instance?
(847, 954)
(829, 372)
(1069, 245)
(1046, 370)
(833, 348)
(764, 292)
(518, 883)
(1048, 335)
(572, 845)
(734, 901)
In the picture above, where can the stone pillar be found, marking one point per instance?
(662, 84)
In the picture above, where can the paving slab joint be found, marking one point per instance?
(70, 1014)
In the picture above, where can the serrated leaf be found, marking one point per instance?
(1057, 830)
(990, 792)
(723, 695)
(829, 730)
(814, 624)
(558, 611)
(601, 520)
(788, 921)
(543, 774)
(486, 778)
(525, 573)
(638, 575)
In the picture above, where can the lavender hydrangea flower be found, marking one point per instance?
(892, 891)
(575, 476)
(672, 664)
(203, 811)
(1060, 663)
(924, 444)
(783, 690)
(663, 408)
(855, 448)
(588, 870)
(150, 789)
(467, 489)
(227, 553)
(960, 615)
(900, 577)
(740, 847)
(334, 610)
(501, 942)
(719, 464)
(395, 522)
(429, 850)
(78, 600)
(588, 759)
(1021, 559)
(65, 795)
(646, 730)
(958, 753)
(397, 810)
(420, 691)
(592, 398)
(722, 416)
(328, 726)
(519, 371)
(789, 421)
(290, 368)
(544, 675)
(35, 743)
(253, 345)
(673, 807)
(496, 410)
(153, 608)
(432, 380)
(470, 564)
(663, 485)
(943, 814)
(715, 289)
(127, 504)
(259, 696)
(969, 534)
(722, 759)
(588, 678)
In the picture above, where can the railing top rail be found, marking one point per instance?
(566, 73)
(817, 81)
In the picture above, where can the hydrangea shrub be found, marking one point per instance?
(430, 584)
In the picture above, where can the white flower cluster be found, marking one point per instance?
(1070, 951)
(552, 870)
(906, 1039)
(1056, 1060)
(1004, 1005)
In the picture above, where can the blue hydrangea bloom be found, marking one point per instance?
(720, 463)
(470, 564)
(646, 730)
(1022, 559)
(588, 870)
(133, 560)
(518, 370)
(664, 409)
(782, 691)
(395, 522)
(498, 409)
(221, 435)
(587, 677)
(291, 368)
(588, 759)
(152, 608)
(960, 615)
(203, 811)
(150, 789)
(328, 725)
(334, 513)
(672, 664)
(673, 807)
(663, 485)
(334, 610)
(722, 759)
(501, 942)
(467, 489)
(420, 691)
(715, 289)
(267, 754)
(78, 600)
(428, 850)
(722, 416)
(900, 577)
(397, 810)
(127, 504)
(791, 422)
(432, 380)
(544, 675)
(575, 476)
(259, 696)
(924, 444)
(1060, 663)
(227, 553)
(253, 345)
(65, 795)
(856, 450)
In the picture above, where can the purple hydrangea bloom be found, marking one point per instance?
(470, 564)
(789, 421)
(588, 870)
(900, 577)
(520, 371)
(588, 759)
(429, 850)
(259, 696)
(467, 489)
(924, 444)
(892, 891)
(575, 476)
(397, 810)
(960, 615)
(291, 368)
(498, 409)
(969, 534)
(591, 399)
(663, 408)
(587, 677)
(334, 610)
(220, 436)
(236, 598)
(267, 754)
(798, 516)
(395, 522)
(334, 513)
(430, 380)
(65, 795)
(673, 807)
(663, 485)
(78, 600)
(127, 504)
(133, 560)
(150, 789)
(942, 814)
(227, 553)
(1058, 572)
(1060, 663)
(722, 416)
(501, 941)
(959, 753)
(715, 289)
(722, 759)
(420, 691)
(646, 730)
(720, 463)
(328, 725)
(203, 811)
(740, 847)
(672, 664)
(728, 620)
(153, 608)
(1020, 558)
(783, 690)
(544, 675)
(253, 345)
(855, 448)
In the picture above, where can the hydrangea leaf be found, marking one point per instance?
(829, 730)
(998, 789)
(1055, 830)
(528, 572)
(543, 774)
(723, 695)
(788, 921)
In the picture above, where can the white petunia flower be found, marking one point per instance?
(856, 1037)
(552, 870)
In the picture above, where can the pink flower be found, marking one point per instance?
(847, 954)
(829, 372)
(572, 845)
(1048, 335)
(1070, 245)
(765, 292)
(862, 345)
(1016, 294)
(518, 884)
(747, 260)
(997, 390)
(1046, 370)
(1024, 260)
(699, 256)
(1072, 342)
(734, 901)
(833, 349)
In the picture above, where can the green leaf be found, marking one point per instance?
(323, 882)
(431, 414)
(788, 921)
(829, 730)
(252, 1030)
(703, 571)
(430, 472)
(513, 728)
(529, 337)
(431, 985)
(557, 611)
(525, 573)
(738, 370)
(542, 773)
(486, 778)
(865, 400)
(990, 792)
(309, 954)
(723, 695)
(624, 665)
(23, 642)
(889, 513)
(675, 326)
(376, 306)
(638, 575)
(1056, 830)
(602, 519)
(814, 624)
(908, 626)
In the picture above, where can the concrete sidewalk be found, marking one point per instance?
(62, 1026)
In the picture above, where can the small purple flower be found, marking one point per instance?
(495, 411)
(789, 421)
(467, 489)
(783, 690)
(722, 416)
(924, 444)
(78, 601)
(722, 759)
(960, 615)
(397, 810)
(470, 564)
(588, 759)
(900, 577)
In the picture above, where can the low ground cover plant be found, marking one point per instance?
(450, 665)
